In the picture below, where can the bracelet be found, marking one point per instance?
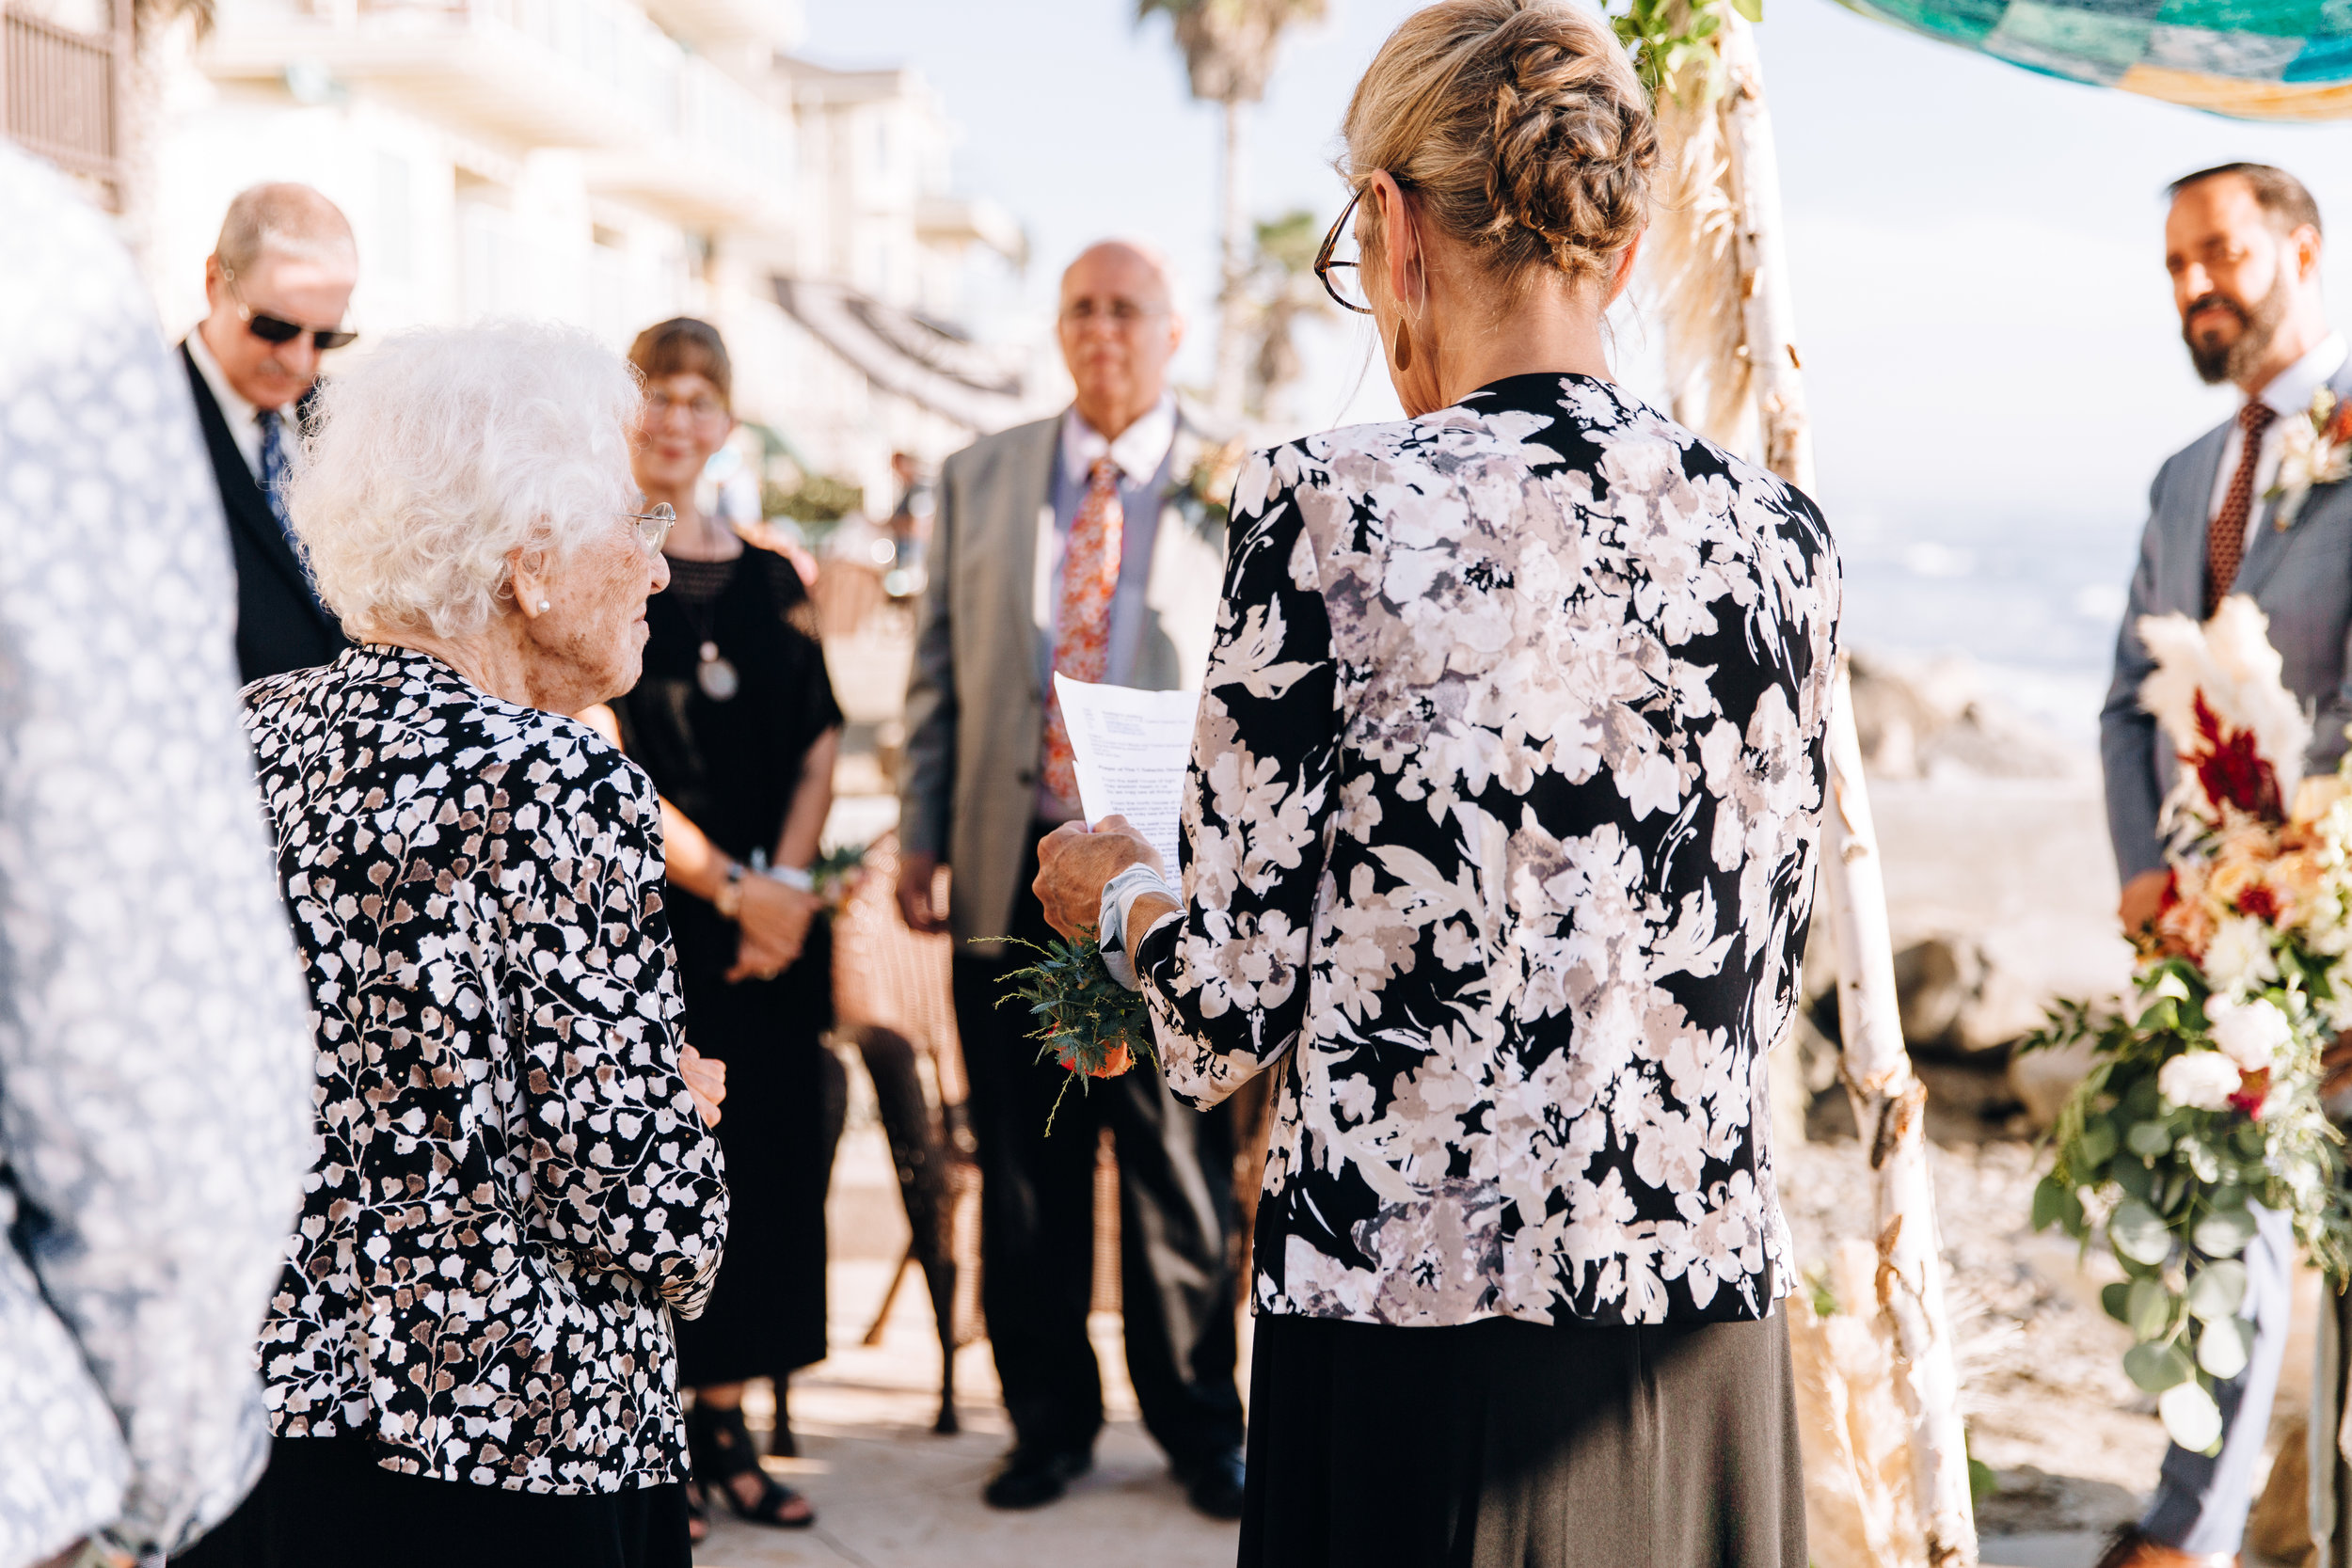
(1110, 922)
(728, 901)
(792, 877)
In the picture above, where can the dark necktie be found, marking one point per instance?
(274, 471)
(2225, 541)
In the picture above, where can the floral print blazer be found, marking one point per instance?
(516, 1190)
(1500, 838)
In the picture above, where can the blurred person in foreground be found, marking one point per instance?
(468, 1360)
(735, 720)
(154, 1061)
(278, 285)
(2242, 243)
(1498, 847)
(1066, 545)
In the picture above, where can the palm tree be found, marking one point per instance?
(1283, 288)
(1228, 50)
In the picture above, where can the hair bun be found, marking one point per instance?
(1521, 123)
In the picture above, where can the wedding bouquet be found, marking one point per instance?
(1088, 1022)
(2206, 1099)
(837, 874)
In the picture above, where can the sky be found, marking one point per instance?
(1990, 346)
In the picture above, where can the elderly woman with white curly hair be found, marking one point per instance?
(468, 1359)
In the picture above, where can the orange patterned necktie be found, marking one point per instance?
(2225, 542)
(1081, 614)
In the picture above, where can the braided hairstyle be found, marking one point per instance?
(1520, 128)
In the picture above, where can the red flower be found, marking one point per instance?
(2230, 770)
(2171, 894)
(2252, 1088)
(2340, 423)
(2260, 902)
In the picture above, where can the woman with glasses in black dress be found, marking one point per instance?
(735, 720)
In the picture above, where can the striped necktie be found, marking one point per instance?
(274, 471)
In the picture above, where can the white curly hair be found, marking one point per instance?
(445, 451)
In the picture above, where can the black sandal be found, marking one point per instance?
(721, 1448)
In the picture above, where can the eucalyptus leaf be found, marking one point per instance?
(2202, 1162)
(2149, 1307)
(2138, 1232)
(1752, 10)
(2224, 1346)
(2149, 1140)
(2217, 1289)
(2097, 1145)
(2190, 1417)
(2134, 1179)
(2224, 1232)
(2156, 1367)
(2116, 1299)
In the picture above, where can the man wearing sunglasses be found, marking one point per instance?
(277, 284)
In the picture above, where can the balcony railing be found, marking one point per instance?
(62, 93)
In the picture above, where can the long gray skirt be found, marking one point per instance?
(1510, 1444)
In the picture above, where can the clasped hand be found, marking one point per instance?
(774, 921)
(706, 1079)
(1073, 862)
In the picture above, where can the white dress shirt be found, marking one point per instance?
(244, 419)
(2290, 395)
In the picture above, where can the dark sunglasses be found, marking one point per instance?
(271, 330)
(1348, 290)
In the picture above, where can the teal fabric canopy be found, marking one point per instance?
(2253, 59)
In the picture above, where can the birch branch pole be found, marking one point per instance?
(1889, 1101)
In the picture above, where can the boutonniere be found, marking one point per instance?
(2316, 449)
(1206, 497)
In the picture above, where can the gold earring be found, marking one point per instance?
(1404, 348)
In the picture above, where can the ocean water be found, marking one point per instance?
(2035, 602)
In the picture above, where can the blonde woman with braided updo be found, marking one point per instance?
(1497, 850)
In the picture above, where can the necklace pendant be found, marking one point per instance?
(716, 677)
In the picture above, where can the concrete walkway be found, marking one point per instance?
(891, 1494)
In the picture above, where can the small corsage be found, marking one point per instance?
(2315, 449)
(1207, 495)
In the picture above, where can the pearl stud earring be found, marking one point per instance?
(543, 607)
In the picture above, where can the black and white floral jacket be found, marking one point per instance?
(516, 1190)
(1500, 837)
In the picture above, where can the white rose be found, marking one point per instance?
(2239, 954)
(2252, 1034)
(2199, 1081)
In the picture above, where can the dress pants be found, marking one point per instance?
(1037, 1226)
(2202, 1501)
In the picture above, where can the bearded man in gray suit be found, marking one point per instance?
(2242, 243)
(1082, 543)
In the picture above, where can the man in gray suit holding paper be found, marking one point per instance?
(2242, 243)
(1091, 543)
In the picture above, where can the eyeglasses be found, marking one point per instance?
(702, 408)
(274, 330)
(654, 527)
(1343, 280)
(1125, 314)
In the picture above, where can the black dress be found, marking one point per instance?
(733, 767)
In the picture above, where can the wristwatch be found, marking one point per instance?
(729, 901)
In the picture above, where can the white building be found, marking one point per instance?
(612, 162)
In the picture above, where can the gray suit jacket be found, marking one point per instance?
(976, 720)
(2302, 580)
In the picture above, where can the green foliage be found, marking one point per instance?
(819, 498)
(1666, 36)
(835, 872)
(1083, 1016)
(2169, 1186)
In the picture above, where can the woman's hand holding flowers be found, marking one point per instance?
(1073, 862)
